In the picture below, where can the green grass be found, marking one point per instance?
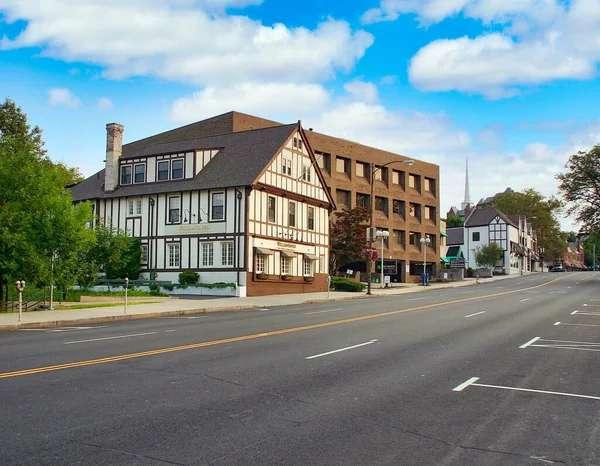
(89, 306)
(74, 295)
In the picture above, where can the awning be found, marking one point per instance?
(443, 233)
(454, 257)
(264, 251)
(288, 254)
(445, 260)
(311, 257)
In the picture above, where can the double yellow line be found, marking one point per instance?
(123, 357)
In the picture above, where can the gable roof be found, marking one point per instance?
(241, 158)
(483, 217)
(455, 236)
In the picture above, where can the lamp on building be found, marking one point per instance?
(371, 237)
(187, 212)
(424, 242)
(201, 210)
(382, 235)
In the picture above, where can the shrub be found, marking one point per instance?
(189, 277)
(343, 284)
(470, 272)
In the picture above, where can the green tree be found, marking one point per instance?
(347, 236)
(117, 254)
(590, 245)
(543, 214)
(580, 188)
(487, 256)
(454, 221)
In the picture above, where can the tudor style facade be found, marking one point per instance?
(249, 207)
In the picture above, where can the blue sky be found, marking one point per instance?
(509, 84)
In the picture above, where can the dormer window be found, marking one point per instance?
(139, 173)
(177, 169)
(163, 171)
(126, 174)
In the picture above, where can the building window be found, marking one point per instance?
(432, 243)
(381, 204)
(399, 207)
(342, 165)
(291, 214)
(311, 218)
(286, 167)
(476, 236)
(324, 161)
(144, 253)
(363, 200)
(343, 198)
(139, 173)
(378, 173)
(138, 207)
(174, 255)
(207, 254)
(399, 237)
(286, 265)
(414, 210)
(227, 253)
(126, 174)
(413, 239)
(130, 207)
(272, 203)
(414, 181)
(308, 267)
(217, 206)
(429, 185)
(163, 171)
(361, 169)
(398, 177)
(306, 173)
(177, 169)
(429, 213)
(261, 263)
(174, 209)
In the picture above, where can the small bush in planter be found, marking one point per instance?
(189, 277)
(286, 276)
(261, 275)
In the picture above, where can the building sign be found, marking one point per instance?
(284, 246)
(457, 263)
(197, 229)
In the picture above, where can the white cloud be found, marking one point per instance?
(362, 91)
(104, 104)
(257, 98)
(63, 97)
(182, 40)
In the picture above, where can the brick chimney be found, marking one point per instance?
(114, 149)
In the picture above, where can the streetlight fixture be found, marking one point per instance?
(424, 242)
(20, 287)
(382, 234)
(371, 236)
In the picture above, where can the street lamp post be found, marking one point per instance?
(20, 287)
(371, 236)
(126, 286)
(382, 235)
(424, 242)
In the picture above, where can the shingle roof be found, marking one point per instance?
(455, 236)
(241, 158)
(482, 217)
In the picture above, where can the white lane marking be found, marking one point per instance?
(542, 459)
(183, 317)
(109, 338)
(500, 287)
(568, 287)
(533, 340)
(321, 312)
(72, 329)
(594, 299)
(580, 325)
(523, 300)
(574, 312)
(592, 305)
(581, 313)
(467, 292)
(168, 331)
(476, 314)
(465, 384)
(530, 390)
(415, 299)
(263, 309)
(341, 349)
(556, 323)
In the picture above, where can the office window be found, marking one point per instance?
(138, 207)
(361, 169)
(271, 209)
(286, 265)
(432, 242)
(126, 174)
(261, 263)
(308, 267)
(323, 160)
(398, 177)
(476, 236)
(311, 218)
(413, 239)
(343, 198)
(399, 237)
(177, 169)
(217, 206)
(292, 214)
(207, 254)
(130, 207)
(429, 213)
(227, 253)
(139, 173)
(174, 209)
(399, 207)
(378, 173)
(414, 181)
(144, 253)
(163, 171)
(429, 185)
(174, 255)
(363, 200)
(381, 204)
(343, 165)
(414, 210)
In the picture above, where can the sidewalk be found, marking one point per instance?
(173, 307)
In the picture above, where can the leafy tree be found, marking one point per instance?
(591, 244)
(454, 221)
(117, 254)
(580, 187)
(543, 214)
(488, 255)
(347, 236)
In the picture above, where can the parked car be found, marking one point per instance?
(557, 268)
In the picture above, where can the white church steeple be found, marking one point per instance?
(467, 201)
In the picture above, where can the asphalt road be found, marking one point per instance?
(504, 373)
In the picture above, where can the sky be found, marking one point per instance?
(512, 85)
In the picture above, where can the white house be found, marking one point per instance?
(248, 207)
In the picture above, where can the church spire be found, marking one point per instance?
(467, 200)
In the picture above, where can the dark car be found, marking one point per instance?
(557, 268)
